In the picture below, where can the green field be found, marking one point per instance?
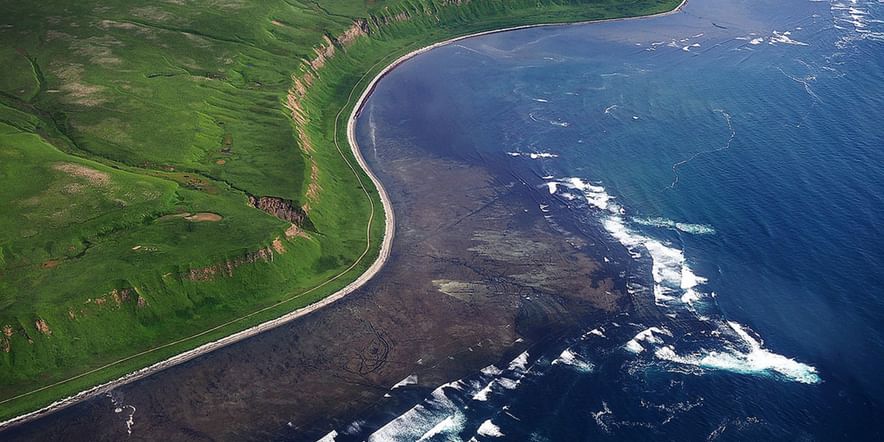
(133, 136)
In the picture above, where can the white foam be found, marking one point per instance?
(754, 360)
(783, 37)
(536, 155)
(596, 331)
(520, 363)
(435, 415)
(650, 335)
(756, 41)
(330, 437)
(568, 357)
(509, 384)
(690, 296)
(690, 280)
(491, 370)
(482, 395)
(533, 155)
(595, 195)
(668, 267)
(409, 380)
(450, 425)
(488, 429)
(634, 347)
(676, 284)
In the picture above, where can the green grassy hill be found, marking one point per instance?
(168, 167)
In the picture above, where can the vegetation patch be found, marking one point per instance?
(169, 172)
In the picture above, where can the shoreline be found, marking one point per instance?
(383, 254)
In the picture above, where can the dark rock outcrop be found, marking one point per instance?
(286, 210)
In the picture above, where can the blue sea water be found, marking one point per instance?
(734, 154)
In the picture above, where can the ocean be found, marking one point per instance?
(730, 158)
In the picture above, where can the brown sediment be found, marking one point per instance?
(50, 264)
(204, 217)
(473, 275)
(277, 245)
(93, 176)
(42, 327)
(378, 339)
(313, 188)
(193, 217)
(294, 231)
(226, 267)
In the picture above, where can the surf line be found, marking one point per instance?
(389, 231)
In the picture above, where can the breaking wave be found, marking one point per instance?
(677, 290)
(751, 359)
(571, 358)
(436, 416)
(448, 411)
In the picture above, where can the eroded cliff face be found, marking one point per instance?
(311, 70)
(283, 209)
(226, 268)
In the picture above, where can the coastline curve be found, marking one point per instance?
(362, 279)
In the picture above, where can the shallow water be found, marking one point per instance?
(734, 150)
(657, 229)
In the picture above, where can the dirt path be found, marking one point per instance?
(379, 262)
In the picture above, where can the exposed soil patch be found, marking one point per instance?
(278, 246)
(313, 189)
(76, 90)
(50, 264)
(94, 177)
(295, 231)
(193, 217)
(226, 268)
(204, 217)
(43, 327)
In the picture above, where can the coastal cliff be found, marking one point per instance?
(131, 171)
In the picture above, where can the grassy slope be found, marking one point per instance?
(113, 116)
